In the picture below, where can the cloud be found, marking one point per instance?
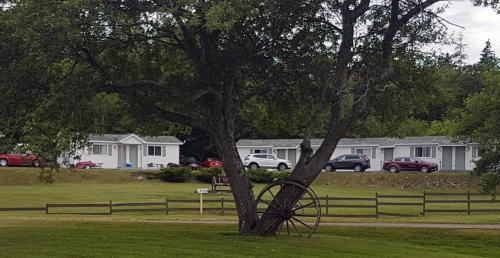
(480, 23)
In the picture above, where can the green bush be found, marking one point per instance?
(205, 175)
(261, 175)
(176, 174)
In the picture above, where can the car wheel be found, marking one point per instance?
(358, 168)
(87, 166)
(424, 169)
(36, 163)
(3, 163)
(393, 169)
(253, 166)
(329, 168)
(282, 167)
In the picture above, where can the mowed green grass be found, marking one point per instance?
(19, 187)
(98, 239)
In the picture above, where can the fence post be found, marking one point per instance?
(376, 205)
(166, 206)
(222, 205)
(326, 204)
(468, 202)
(423, 205)
(110, 207)
(46, 208)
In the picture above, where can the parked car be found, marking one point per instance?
(85, 165)
(19, 160)
(211, 163)
(356, 162)
(409, 164)
(190, 162)
(254, 161)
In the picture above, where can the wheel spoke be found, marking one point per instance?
(280, 228)
(309, 227)
(291, 195)
(296, 229)
(282, 195)
(274, 198)
(287, 227)
(267, 212)
(270, 204)
(304, 206)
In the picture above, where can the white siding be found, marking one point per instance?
(107, 161)
(243, 151)
(171, 155)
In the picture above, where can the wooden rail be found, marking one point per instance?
(332, 206)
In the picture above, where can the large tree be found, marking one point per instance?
(197, 63)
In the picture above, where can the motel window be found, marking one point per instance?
(154, 150)
(261, 151)
(423, 152)
(99, 149)
(369, 152)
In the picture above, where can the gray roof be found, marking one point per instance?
(383, 141)
(119, 137)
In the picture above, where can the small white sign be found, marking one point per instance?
(202, 191)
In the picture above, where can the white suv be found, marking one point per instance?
(254, 161)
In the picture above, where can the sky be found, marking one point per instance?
(480, 24)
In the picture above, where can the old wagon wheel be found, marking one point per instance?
(293, 216)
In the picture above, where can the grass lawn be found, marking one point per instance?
(19, 187)
(98, 239)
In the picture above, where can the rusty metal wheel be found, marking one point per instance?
(301, 219)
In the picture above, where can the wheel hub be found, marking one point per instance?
(286, 213)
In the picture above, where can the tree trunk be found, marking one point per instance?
(241, 186)
(305, 172)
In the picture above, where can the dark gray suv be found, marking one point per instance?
(356, 162)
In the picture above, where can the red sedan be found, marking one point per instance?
(19, 160)
(409, 164)
(212, 163)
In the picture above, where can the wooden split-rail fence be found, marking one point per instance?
(331, 206)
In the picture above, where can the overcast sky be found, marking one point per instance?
(480, 25)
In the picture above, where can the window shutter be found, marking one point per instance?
(353, 151)
(433, 152)
(412, 151)
(474, 151)
(252, 151)
(374, 153)
(91, 147)
(145, 150)
(269, 151)
(164, 150)
(110, 150)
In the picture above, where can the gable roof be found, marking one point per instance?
(118, 137)
(382, 141)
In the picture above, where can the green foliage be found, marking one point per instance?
(206, 175)
(176, 174)
(261, 175)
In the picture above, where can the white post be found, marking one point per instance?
(201, 203)
(201, 191)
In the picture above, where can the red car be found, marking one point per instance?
(409, 164)
(85, 165)
(212, 163)
(19, 160)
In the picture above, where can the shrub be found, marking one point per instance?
(205, 175)
(175, 174)
(281, 175)
(261, 175)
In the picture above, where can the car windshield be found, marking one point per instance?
(417, 159)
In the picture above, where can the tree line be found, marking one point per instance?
(224, 70)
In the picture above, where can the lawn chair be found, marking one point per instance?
(220, 183)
